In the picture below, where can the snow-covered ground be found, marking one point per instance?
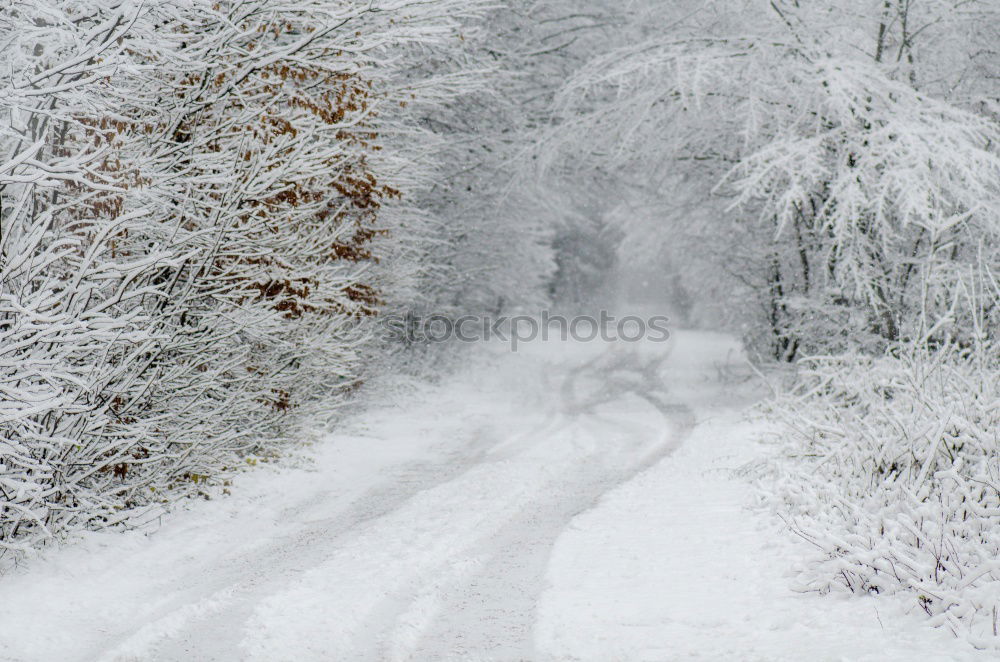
(567, 502)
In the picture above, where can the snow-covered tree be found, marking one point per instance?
(493, 241)
(862, 185)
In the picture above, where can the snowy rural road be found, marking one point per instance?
(568, 502)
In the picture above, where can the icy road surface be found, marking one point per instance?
(568, 502)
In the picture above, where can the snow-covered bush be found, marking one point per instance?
(890, 467)
(193, 198)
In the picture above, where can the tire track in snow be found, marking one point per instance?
(239, 584)
(491, 615)
(488, 611)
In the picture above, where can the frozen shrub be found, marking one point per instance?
(890, 468)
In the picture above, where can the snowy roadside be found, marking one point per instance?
(677, 564)
(572, 501)
(117, 595)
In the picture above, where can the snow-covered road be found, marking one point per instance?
(566, 502)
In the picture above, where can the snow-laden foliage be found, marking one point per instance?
(858, 191)
(890, 467)
(191, 196)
